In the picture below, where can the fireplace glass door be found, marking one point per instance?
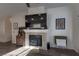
(35, 40)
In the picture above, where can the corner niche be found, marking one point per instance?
(36, 21)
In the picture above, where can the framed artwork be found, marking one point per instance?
(60, 23)
(15, 25)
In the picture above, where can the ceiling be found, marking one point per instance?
(8, 9)
(49, 5)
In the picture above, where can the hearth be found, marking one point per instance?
(35, 40)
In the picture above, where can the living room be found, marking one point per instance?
(53, 25)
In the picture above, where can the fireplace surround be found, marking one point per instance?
(41, 34)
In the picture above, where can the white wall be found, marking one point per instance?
(5, 29)
(36, 10)
(8, 29)
(2, 31)
(76, 27)
(76, 33)
(61, 12)
(20, 20)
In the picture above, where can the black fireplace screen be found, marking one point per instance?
(35, 40)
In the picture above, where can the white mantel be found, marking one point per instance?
(37, 32)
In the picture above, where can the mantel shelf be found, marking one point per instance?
(39, 31)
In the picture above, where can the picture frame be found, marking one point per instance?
(60, 23)
(15, 25)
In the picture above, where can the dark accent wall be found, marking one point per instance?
(36, 19)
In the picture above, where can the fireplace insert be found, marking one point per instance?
(35, 40)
